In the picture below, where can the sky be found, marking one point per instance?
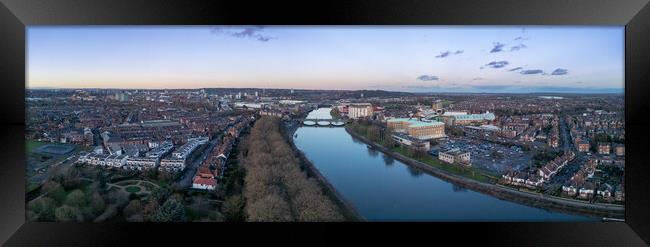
(397, 58)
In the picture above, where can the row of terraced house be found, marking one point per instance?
(157, 158)
(213, 167)
(545, 173)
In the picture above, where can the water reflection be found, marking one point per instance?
(414, 171)
(388, 160)
(458, 188)
(372, 152)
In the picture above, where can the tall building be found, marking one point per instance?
(417, 129)
(360, 110)
(436, 105)
(121, 96)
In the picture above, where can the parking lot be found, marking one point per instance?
(491, 157)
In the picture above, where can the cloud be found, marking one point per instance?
(428, 78)
(517, 47)
(497, 64)
(443, 54)
(559, 72)
(497, 47)
(447, 53)
(477, 79)
(579, 82)
(518, 68)
(252, 32)
(531, 71)
(521, 38)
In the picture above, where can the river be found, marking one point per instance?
(384, 189)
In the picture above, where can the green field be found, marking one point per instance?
(31, 145)
(133, 189)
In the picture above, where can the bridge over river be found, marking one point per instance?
(322, 122)
(322, 117)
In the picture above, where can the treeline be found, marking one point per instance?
(373, 132)
(275, 188)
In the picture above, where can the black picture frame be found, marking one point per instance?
(15, 15)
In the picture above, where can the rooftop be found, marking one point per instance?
(415, 123)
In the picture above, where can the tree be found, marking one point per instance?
(76, 198)
(43, 208)
(170, 211)
(150, 208)
(134, 207)
(234, 208)
(97, 203)
(160, 194)
(373, 133)
(275, 187)
(67, 213)
(269, 208)
(50, 186)
(388, 141)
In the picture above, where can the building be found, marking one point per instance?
(417, 129)
(204, 183)
(583, 146)
(587, 191)
(455, 156)
(121, 96)
(436, 105)
(184, 151)
(410, 142)
(359, 110)
(249, 105)
(605, 191)
(141, 163)
(619, 149)
(160, 150)
(204, 179)
(172, 164)
(105, 160)
(552, 167)
(604, 148)
(570, 188)
(464, 119)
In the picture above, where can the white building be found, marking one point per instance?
(204, 183)
(359, 110)
(454, 156)
(172, 164)
(141, 163)
(116, 160)
(184, 151)
(106, 160)
(160, 150)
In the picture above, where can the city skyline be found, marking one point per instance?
(465, 59)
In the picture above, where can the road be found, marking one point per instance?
(565, 135)
(185, 181)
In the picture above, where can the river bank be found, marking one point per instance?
(505, 193)
(346, 208)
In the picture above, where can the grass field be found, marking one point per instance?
(31, 145)
(133, 189)
(30, 187)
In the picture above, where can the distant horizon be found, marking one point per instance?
(392, 58)
(582, 91)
